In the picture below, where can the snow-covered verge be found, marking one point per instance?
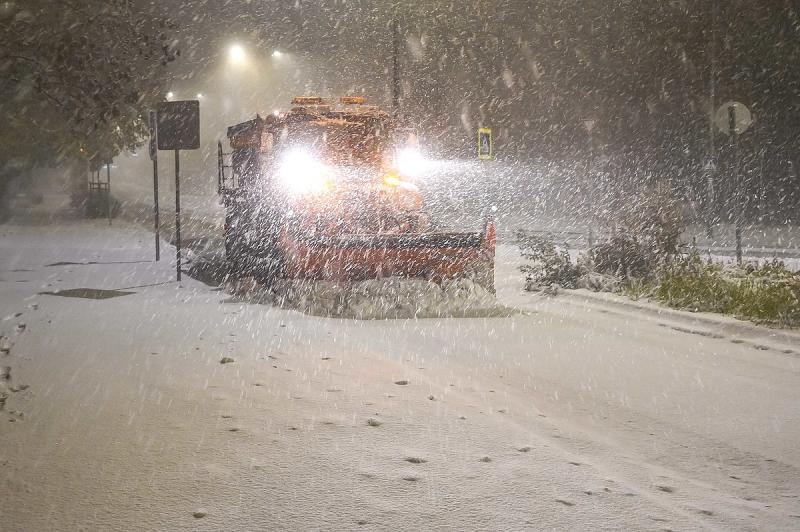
(766, 292)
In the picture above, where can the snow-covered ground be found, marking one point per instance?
(567, 415)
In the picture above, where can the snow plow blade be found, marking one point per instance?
(431, 256)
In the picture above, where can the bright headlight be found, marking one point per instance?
(410, 162)
(302, 173)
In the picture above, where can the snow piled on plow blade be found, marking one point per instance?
(376, 299)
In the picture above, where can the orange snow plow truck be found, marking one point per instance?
(315, 194)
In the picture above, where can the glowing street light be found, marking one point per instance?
(199, 95)
(277, 54)
(236, 54)
(170, 95)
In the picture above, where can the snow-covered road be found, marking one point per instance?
(568, 415)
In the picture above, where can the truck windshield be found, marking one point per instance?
(341, 143)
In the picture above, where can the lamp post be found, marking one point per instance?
(589, 124)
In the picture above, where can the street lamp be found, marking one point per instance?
(199, 95)
(236, 54)
(277, 54)
(170, 95)
(8, 9)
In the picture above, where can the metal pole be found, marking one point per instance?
(712, 151)
(736, 181)
(592, 184)
(395, 69)
(178, 213)
(153, 148)
(155, 207)
(108, 191)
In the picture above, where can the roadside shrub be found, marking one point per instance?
(548, 264)
(622, 256)
(644, 234)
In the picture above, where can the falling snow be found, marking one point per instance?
(501, 266)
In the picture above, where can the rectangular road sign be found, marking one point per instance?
(485, 143)
(179, 125)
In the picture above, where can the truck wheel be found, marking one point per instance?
(270, 261)
(234, 248)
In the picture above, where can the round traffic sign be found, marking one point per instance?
(733, 117)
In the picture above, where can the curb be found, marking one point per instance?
(788, 340)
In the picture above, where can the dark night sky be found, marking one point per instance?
(533, 71)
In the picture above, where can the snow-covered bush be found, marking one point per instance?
(644, 234)
(547, 264)
(621, 256)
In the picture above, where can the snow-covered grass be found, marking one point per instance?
(766, 293)
(761, 290)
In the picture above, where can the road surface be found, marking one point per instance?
(120, 415)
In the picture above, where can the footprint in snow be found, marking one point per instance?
(524, 449)
(415, 460)
(565, 503)
(372, 422)
(226, 360)
(401, 383)
(484, 459)
(410, 478)
(665, 489)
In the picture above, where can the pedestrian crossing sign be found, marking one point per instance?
(485, 143)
